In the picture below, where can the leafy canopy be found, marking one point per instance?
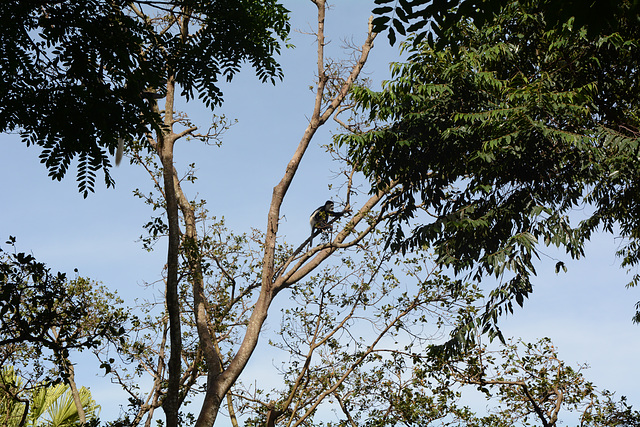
(437, 19)
(498, 135)
(45, 315)
(76, 74)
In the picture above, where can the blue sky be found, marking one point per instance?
(586, 312)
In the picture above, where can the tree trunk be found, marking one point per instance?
(171, 403)
(71, 380)
(212, 400)
(220, 380)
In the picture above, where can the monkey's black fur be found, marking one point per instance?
(319, 219)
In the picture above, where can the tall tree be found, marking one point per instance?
(200, 41)
(331, 91)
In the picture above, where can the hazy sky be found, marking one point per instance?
(586, 312)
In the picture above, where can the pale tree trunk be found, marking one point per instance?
(219, 380)
(212, 400)
(164, 147)
(165, 144)
(71, 380)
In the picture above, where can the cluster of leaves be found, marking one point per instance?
(407, 16)
(42, 405)
(74, 73)
(45, 315)
(230, 32)
(533, 386)
(497, 136)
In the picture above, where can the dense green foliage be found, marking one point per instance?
(407, 16)
(71, 74)
(498, 135)
(45, 315)
(75, 75)
(530, 385)
(50, 405)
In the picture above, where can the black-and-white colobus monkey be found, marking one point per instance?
(319, 219)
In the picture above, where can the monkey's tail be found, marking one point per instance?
(119, 151)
